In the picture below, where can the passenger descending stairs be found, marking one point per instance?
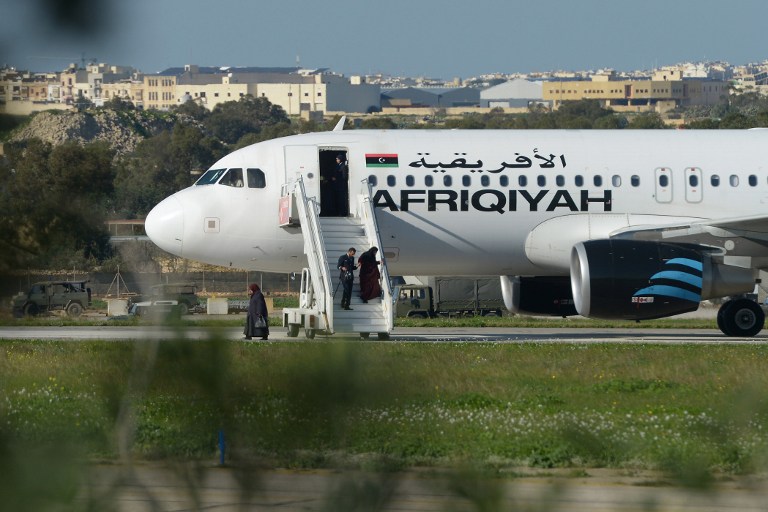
(339, 234)
(325, 240)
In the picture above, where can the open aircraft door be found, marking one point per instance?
(302, 161)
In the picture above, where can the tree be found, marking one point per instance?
(231, 120)
(647, 121)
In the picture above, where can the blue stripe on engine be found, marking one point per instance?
(669, 291)
(676, 275)
(687, 262)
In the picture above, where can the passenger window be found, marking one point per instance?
(542, 181)
(210, 177)
(693, 180)
(522, 181)
(447, 181)
(598, 181)
(616, 180)
(560, 180)
(635, 180)
(714, 180)
(409, 180)
(485, 181)
(734, 180)
(752, 180)
(391, 181)
(579, 180)
(373, 180)
(233, 178)
(664, 180)
(256, 178)
(466, 181)
(428, 181)
(504, 181)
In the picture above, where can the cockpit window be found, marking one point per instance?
(256, 178)
(233, 178)
(210, 177)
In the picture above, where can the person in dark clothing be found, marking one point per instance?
(257, 311)
(347, 268)
(339, 180)
(370, 287)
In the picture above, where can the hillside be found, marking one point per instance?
(122, 130)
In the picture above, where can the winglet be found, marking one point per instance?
(340, 125)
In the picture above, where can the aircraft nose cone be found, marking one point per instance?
(165, 225)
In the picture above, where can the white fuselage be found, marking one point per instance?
(473, 202)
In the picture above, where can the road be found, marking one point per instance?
(409, 334)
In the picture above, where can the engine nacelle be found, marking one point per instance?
(538, 295)
(640, 280)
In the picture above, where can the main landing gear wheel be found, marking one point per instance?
(364, 335)
(740, 318)
(293, 330)
(309, 333)
(383, 336)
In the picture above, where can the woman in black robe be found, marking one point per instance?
(370, 287)
(257, 311)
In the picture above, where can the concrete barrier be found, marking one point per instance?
(217, 306)
(117, 307)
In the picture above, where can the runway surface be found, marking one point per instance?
(410, 334)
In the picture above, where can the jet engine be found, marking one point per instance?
(545, 295)
(640, 280)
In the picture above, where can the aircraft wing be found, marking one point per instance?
(745, 236)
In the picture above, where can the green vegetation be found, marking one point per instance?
(345, 404)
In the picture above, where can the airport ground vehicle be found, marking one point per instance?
(73, 297)
(184, 294)
(450, 296)
(161, 308)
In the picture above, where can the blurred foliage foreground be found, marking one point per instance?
(693, 412)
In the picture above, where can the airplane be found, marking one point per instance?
(611, 224)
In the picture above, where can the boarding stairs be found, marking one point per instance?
(325, 239)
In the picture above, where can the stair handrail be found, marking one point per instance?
(368, 216)
(309, 213)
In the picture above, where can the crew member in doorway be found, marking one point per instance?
(339, 180)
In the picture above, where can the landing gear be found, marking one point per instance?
(309, 333)
(740, 318)
(293, 330)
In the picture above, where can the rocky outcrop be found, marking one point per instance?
(122, 130)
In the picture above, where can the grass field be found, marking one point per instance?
(692, 411)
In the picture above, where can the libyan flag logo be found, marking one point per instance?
(380, 160)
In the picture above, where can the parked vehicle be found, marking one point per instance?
(185, 295)
(157, 309)
(450, 296)
(73, 297)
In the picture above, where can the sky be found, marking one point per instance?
(429, 38)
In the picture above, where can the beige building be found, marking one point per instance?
(664, 91)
